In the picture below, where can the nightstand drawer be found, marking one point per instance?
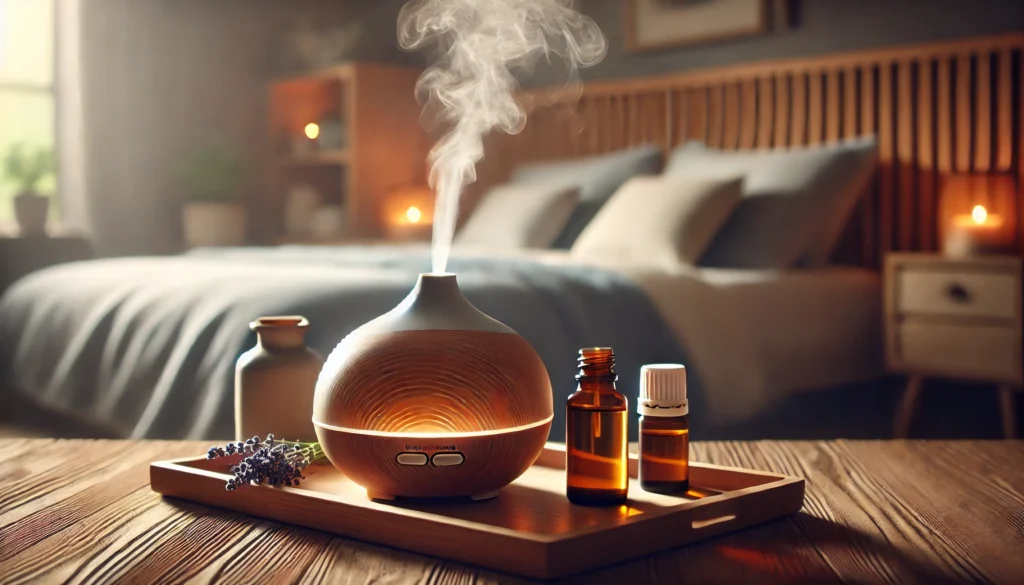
(968, 294)
(960, 350)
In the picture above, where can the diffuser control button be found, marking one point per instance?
(447, 459)
(412, 458)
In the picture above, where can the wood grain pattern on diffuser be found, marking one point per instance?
(874, 512)
(436, 381)
(482, 394)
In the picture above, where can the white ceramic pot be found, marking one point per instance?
(213, 224)
(274, 381)
(30, 211)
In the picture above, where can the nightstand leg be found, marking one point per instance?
(905, 410)
(1008, 410)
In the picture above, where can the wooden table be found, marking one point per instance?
(885, 512)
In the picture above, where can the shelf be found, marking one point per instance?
(323, 157)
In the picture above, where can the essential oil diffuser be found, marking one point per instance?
(433, 399)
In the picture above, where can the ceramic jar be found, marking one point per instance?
(275, 380)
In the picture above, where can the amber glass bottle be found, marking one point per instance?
(595, 433)
(664, 465)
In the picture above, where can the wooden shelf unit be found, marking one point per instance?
(383, 146)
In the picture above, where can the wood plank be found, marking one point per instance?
(798, 116)
(906, 194)
(681, 115)
(927, 192)
(716, 116)
(815, 109)
(765, 106)
(868, 125)
(874, 511)
(964, 134)
(731, 117)
(833, 100)
(1020, 154)
(886, 157)
(634, 126)
(593, 125)
(620, 131)
(782, 110)
(606, 124)
(851, 105)
(1004, 116)
(983, 114)
(699, 114)
(748, 114)
(944, 120)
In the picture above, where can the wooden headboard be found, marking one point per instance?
(941, 108)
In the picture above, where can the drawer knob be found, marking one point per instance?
(958, 293)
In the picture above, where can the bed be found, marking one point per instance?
(147, 345)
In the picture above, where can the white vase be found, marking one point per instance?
(274, 381)
(213, 224)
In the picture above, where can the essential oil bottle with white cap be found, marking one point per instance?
(664, 465)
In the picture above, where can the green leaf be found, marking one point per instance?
(25, 166)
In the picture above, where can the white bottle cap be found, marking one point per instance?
(663, 390)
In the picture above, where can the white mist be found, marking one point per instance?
(483, 45)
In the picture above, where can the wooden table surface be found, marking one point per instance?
(875, 512)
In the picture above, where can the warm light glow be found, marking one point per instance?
(413, 214)
(312, 130)
(979, 214)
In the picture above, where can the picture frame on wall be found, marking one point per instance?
(659, 24)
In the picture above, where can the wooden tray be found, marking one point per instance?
(531, 529)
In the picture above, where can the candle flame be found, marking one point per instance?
(312, 130)
(413, 214)
(979, 214)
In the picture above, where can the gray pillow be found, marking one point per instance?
(524, 215)
(795, 202)
(597, 178)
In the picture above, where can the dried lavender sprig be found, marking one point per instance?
(269, 461)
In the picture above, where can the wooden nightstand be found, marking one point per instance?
(22, 255)
(955, 318)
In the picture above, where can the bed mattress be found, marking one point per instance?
(147, 344)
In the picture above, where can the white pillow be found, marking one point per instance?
(660, 220)
(520, 216)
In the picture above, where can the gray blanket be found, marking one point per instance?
(148, 345)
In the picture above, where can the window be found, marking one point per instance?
(26, 86)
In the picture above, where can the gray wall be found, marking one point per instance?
(824, 26)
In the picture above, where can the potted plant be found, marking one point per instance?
(26, 167)
(211, 179)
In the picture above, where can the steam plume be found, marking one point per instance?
(484, 45)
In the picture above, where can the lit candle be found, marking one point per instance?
(306, 143)
(408, 213)
(312, 130)
(413, 214)
(976, 233)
